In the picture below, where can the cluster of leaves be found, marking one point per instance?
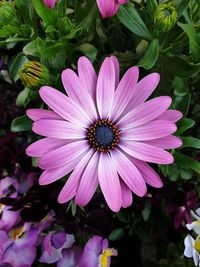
(57, 37)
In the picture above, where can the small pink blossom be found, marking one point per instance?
(108, 8)
(50, 3)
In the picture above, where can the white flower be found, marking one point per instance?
(192, 249)
(195, 226)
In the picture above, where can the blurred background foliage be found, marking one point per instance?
(140, 34)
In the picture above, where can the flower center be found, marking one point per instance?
(103, 135)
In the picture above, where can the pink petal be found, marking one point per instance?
(171, 115)
(145, 112)
(143, 89)
(62, 155)
(52, 175)
(149, 175)
(168, 142)
(106, 87)
(38, 114)
(146, 152)
(58, 129)
(89, 182)
(127, 198)
(49, 3)
(124, 92)
(71, 186)
(117, 69)
(121, 2)
(43, 146)
(107, 8)
(64, 106)
(109, 182)
(77, 92)
(152, 130)
(129, 173)
(87, 76)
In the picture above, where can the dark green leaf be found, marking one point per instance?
(194, 40)
(130, 18)
(179, 66)
(20, 124)
(146, 211)
(184, 104)
(187, 162)
(116, 234)
(85, 14)
(23, 98)
(27, 11)
(150, 57)
(61, 8)
(184, 124)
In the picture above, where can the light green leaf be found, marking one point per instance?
(150, 57)
(184, 104)
(130, 18)
(21, 124)
(88, 50)
(182, 7)
(47, 15)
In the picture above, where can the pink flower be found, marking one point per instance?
(104, 133)
(49, 3)
(108, 8)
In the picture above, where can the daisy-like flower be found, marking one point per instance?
(104, 133)
(108, 8)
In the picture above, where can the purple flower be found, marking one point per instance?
(70, 257)
(18, 245)
(104, 133)
(8, 218)
(54, 244)
(96, 253)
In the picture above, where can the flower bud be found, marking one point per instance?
(165, 17)
(7, 14)
(33, 75)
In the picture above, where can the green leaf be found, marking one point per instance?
(181, 86)
(34, 47)
(21, 124)
(189, 141)
(182, 7)
(116, 234)
(187, 162)
(146, 211)
(130, 18)
(27, 11)
(16, 65)
(194, 40)
(150, 57)
(179, 66)
(23, 98)
(61, 8)
(85, 14)
(151, 6)
(184, 104)
(88, 50)
(183, 125)
(47, 15)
